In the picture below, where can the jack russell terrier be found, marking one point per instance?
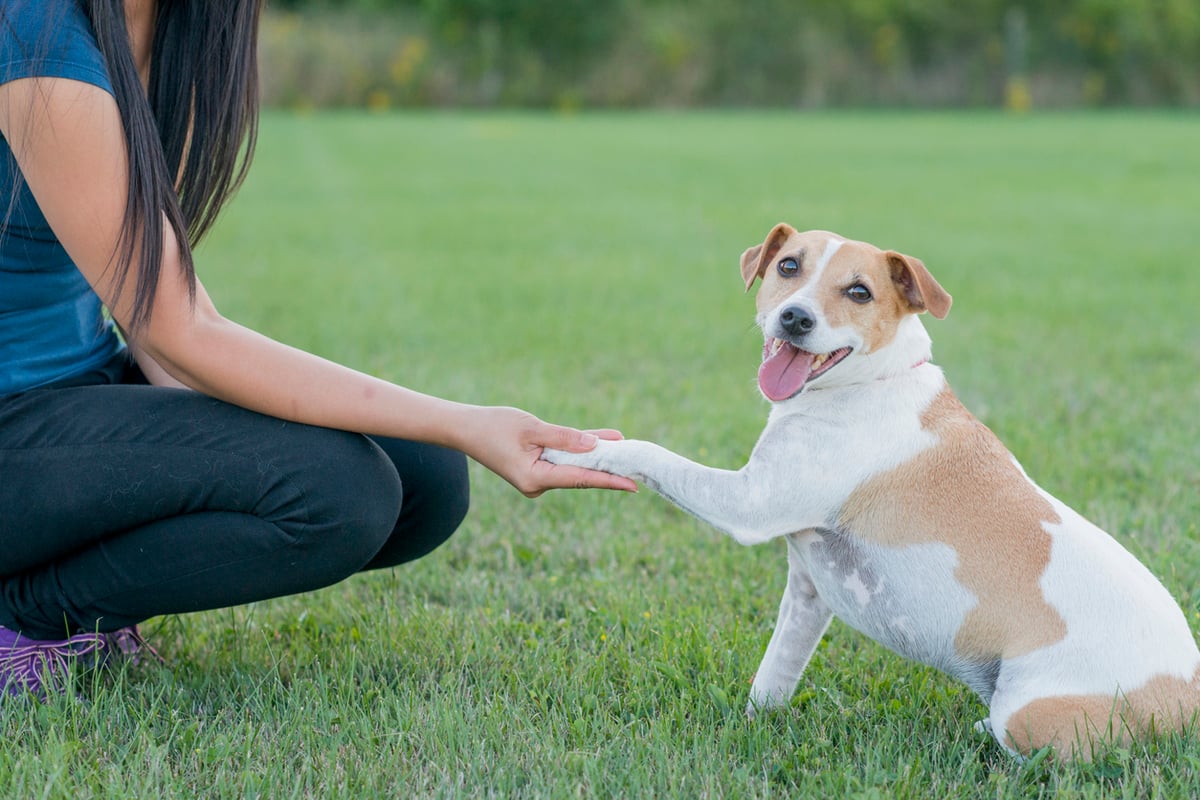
(906, 517)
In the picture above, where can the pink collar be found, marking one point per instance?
(914, 366)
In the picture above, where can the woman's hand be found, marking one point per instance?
(509, 442)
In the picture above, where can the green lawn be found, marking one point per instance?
(586, 268)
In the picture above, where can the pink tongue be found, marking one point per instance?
(783, 374)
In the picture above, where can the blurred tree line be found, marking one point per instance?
(788, 53)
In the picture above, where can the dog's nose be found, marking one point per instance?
(797, 320)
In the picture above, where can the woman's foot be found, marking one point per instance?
(40, 667)
(128, 643)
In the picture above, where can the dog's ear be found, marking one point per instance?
(756, 259)
(917, 286)
(752, 270)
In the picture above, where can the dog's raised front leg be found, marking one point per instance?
(803, 618)
(746, 509)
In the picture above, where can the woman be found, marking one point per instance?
(205, 465)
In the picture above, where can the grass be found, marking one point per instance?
(585, 268)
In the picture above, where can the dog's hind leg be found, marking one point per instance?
(803, 618)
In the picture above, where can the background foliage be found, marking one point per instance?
(777, 53)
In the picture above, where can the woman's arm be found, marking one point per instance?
(68, 141)
(155, 374)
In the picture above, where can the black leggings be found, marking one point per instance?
(122, 502)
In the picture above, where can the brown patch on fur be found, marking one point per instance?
(967, 492)
(782, 242)
(1071, 724)
(917, 286)
(775, 288)
(878, 321)
(755, 260)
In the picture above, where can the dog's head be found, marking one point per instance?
(835, 311)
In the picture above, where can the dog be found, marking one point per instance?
(906, 517)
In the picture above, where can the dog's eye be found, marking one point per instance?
(788, 267)
(859, 293)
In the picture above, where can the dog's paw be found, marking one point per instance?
(766, 700)
(607, 456)
(569, 459)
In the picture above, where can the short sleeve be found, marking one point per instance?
(49, 39)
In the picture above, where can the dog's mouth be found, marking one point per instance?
(786, 369)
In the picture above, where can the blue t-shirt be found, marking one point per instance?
(51, 322)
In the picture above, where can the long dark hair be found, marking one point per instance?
(190, 139)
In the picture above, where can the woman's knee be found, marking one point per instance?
(436, 501)
(351, 497)
(371, 502)
(437, 497)
(451, 495)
